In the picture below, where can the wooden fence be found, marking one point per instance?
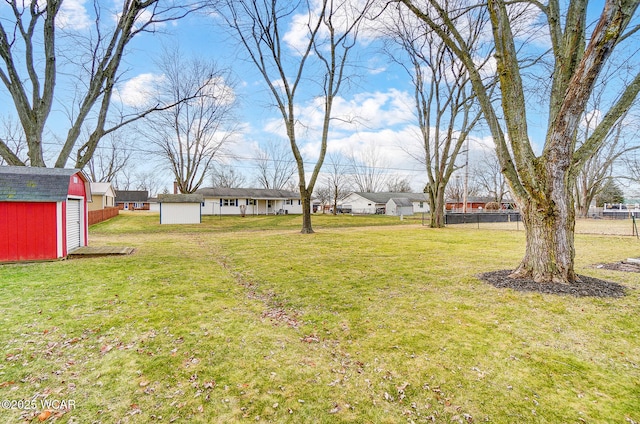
(102, 215)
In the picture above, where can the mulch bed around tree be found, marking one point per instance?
(588, 286)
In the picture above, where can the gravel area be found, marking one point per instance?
(588, 286)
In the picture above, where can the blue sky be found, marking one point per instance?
(381, 95)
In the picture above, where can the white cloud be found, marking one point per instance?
(140, 90)
(73, 15)
(218, 89)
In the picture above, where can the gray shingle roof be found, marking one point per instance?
(402, 202)
(139, 196)
(247, 193)
(385, 197)
(180, 198)
(33, 184)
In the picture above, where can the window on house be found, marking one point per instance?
(421, 205)
(229, 202)
(251, 202)
(268, 203)
(288, 202)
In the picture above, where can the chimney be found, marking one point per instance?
(175, 187)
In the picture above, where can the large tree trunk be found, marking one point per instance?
(437, 205)
(549, 223)
(306, 211)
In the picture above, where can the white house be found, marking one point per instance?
(249, 201)
(180, 208)
(372, 203)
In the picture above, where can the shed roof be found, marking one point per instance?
(248, 193)
(402, 202)
(35, 184)
(385, 197)
(132, 196)
(180, 198)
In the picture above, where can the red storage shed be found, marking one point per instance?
(43, 212)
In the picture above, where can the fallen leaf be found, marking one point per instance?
(311, 338)
(44, 415)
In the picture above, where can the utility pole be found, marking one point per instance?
(466, 179)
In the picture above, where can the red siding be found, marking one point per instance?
(27, 231)
(76, 186)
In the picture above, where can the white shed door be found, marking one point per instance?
(73, 224)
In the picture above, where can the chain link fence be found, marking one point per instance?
(618, 225)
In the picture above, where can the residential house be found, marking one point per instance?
(103, 196)
(249, 201)
(477, 204)
(378, 203)
(132, 200)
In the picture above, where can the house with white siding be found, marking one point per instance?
(380, 203)
(249, 201)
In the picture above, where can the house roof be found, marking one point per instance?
(180, 198)
(247, 193)
(35, 184)
(385, 197)
(402, 201)
(478, 199)
(101, 188)
(132, 196)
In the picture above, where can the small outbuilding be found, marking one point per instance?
(399, 207)
(43, 212)
(180, 208)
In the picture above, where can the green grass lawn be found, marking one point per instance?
(369, 320)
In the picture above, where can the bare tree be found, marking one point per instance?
(368, 170)
(543, 184)
(13, 140)
(337, 181)
(318, 58)
(487, 174)
(187, 136)
(397, 184)
(455, 190)
(445, 106)
(125, 179)
(226, 176)
(618, 145)
(110, 158)
(323, 195)
(30, 43)
(149, 181)
(276, 166)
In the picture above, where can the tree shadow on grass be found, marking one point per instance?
(587, 287)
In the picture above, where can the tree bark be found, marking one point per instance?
(437, 205)
(549, 226)
(306, 211)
